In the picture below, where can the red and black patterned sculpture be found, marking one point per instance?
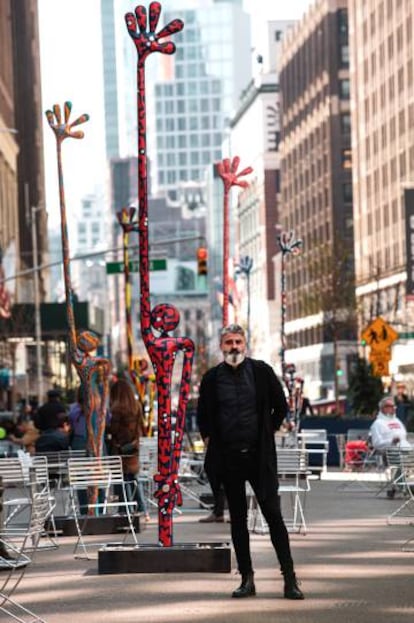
(157, 324)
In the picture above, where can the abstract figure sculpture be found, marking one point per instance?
(288, 244)
(137, 368)
(227, 170)
(92, 371)
(163, 349)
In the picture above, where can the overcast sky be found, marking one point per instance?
(71, 62)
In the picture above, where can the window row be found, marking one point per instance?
(183, 141)
(183, 124)
(183, 106)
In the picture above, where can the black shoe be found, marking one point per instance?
(246, 588)
(292, 590)
(212, 518)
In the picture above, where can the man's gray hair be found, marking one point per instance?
(232, 328)
(384, 400)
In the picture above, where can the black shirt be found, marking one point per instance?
(237, 414)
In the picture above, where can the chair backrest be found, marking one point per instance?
(393, 456)
(314, 435)
(353, 434)
(407, 465)
(148, 455)
(292, 461)
(95, 471)
(13, 472)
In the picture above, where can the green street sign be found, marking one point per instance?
(114, 268)
(408, 335)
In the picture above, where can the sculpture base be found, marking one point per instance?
(108, 524)
(182, 558)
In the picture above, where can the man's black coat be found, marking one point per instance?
(271, 410)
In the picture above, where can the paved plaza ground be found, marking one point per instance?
(350, 563)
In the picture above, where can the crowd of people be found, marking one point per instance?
(54, 427)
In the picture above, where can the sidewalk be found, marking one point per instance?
(350, 563)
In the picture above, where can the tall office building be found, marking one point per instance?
(258, 207)
(316, 171)
(382, 88)
(197, 89)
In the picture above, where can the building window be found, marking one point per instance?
(347, 159)
(347, 192)
(344, 55)
(344, 89)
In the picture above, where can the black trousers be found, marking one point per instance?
(239, 468)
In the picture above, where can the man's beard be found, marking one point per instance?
(234, 358)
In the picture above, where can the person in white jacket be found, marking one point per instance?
(387, 430)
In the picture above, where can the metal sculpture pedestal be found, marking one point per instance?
(181, 558)
(112, 524)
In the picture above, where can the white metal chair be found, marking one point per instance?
(192, 478)
(405, 512)
(18, 547)
(316, 443)
(148, 458)
(99, 473)
(293, 475)
(15, 477)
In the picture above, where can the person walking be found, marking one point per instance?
(241, 405)
(125, 431)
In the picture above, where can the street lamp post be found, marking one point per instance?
(245, 266)
(38, 328)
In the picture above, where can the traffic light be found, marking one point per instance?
(339, 371)
(202, 255)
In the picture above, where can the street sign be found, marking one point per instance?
(379, 335)
(113, 268)
(380, 368)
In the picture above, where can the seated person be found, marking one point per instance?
(28, 435)
(54, 439)
(387, 430)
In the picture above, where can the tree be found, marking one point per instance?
(365, 390)
(330, 289)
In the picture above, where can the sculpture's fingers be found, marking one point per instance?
(141, 13)
(245, 171)
(154, 15)
(175, 26)
(58, 113)
(131, 23)
(82, 119)
(50, 117)
(166, 48)
(77, 134)
(226, 165)
(67, 107)
(235, 164)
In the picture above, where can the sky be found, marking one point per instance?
(71, 65)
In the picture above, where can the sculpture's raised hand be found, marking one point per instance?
(227, 170)
(126, 218)
(143, 34)
(63, 129)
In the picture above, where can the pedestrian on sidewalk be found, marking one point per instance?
(240, 407)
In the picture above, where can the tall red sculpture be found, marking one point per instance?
(227, 170)
(163, 319)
